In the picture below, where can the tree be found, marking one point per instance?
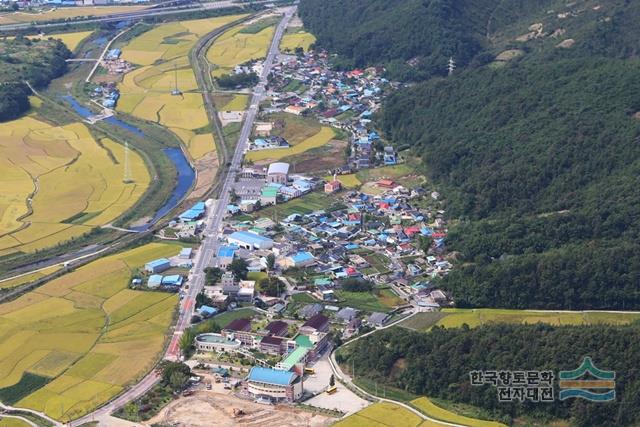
(271, 286)
(186, 342)
(174, 374)
(239, 268)
(424, 243)
(212, 275)
(332, 381)
(271, 261)
(357, 285)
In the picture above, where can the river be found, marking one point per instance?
(186, 175)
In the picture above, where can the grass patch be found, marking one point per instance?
(260, 25)
(383, 391)
(302, 205)
(229, 316)
(423, 321)
(363, 301)
(256, 275)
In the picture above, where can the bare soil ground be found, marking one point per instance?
(207, 168)
(206, 408)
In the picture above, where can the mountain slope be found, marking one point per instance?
(536, 144)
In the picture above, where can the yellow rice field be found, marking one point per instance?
(237, 103)
(384, 414)
(87, 332)
(321, 138)
(347, 181)
(65, 12)
(429, 408)
(27, 278)
(71, 40)
(292, 40)
(60, 183)
(162, 54)
(233, 48)
(13, 422)
(476, 317)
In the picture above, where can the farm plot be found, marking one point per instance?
(429, 408)
(296, 37)
(321, 138)
(60, 183)
(27, 278)
(382, 414)
(74, 343)
(235, 47)
(146, 92)
(71, 40)
(455, 318)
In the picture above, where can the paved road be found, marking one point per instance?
(206, 254)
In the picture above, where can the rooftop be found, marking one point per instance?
(271, 376)
(248, 237)
(294, 357)
(278, 167)
(239, 325)
(316, 321)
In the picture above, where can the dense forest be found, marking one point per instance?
(538, 155)
(437, 364)
(35, 61)
(413, 39)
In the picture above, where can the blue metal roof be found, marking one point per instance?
(302, 256)
(271, 376)
(157, 262)
(248, 237)
(226, 251)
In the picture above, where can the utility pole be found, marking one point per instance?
(451, 66)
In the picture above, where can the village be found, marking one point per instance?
(306, 262)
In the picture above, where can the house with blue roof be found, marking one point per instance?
(274, 385)
(300, 260)
(206, 311)
(174, 281)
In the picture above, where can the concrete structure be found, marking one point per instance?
(157, 266)
(239, 329)
(225, 256)
(229, 285)
(216, 342)
(275, 385)
(273, 345)
(250, 241)
(277, 328)
(278, 173)
(246, 291)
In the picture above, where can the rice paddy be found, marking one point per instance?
(295, 38)
(321, 138)
(28, 278)
(347, 181)
(71, 40)
(430, 409)
(162, 56)
(455, 318)
(60, 183)
(63, 13)
(237, 103)
(85, 334)
(384, 414)
(235, 47)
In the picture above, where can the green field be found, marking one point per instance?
(364, 301)
(302, 205)
(229, 316)
(454, 318)
(74, 343)
(296, 37)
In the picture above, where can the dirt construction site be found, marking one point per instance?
(207, 408)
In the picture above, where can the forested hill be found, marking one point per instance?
(413, 39)
(35, 61)
(437, 364)
(538, 154)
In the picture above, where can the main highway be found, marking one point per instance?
(205, 256)
(127, 16)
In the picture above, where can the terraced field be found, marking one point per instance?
(59, 183)
(74, 343)
(235, 47)
(162, 54)
(66, 12)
